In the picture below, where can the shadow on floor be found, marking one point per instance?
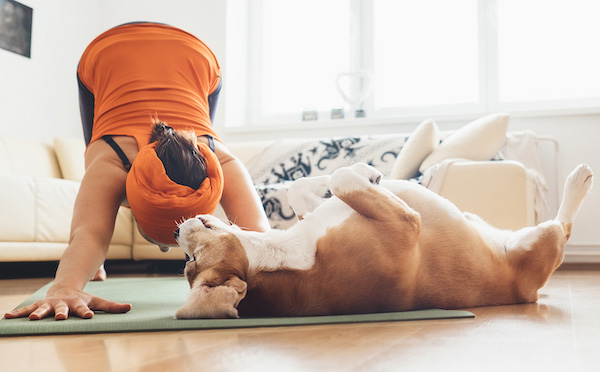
(21, 270)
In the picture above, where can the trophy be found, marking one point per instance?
(354, 87)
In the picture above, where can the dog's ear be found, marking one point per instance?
(213, 302)
(239, 286)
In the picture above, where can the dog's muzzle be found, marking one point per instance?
(164, 248)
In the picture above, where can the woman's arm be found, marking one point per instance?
(240, 200)
(101, 192)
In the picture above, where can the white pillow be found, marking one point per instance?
(479, 140)
(423, 140)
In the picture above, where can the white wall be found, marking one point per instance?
(202, 18)
(38, 96)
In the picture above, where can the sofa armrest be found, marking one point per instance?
(500, 192)
(36, 209)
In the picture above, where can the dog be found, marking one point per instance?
(364, 245)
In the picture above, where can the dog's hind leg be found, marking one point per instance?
(539, 250)
(577, 186)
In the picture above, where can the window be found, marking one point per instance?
(296, 58)
(422, 56)
(546, 50)
(419, 58)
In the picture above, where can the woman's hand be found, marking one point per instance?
(63, 302)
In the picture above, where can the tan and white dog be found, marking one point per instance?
(362, 247)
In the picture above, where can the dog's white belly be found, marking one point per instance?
(294, 248)
(330, 214)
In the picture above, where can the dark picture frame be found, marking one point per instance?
(15, 27)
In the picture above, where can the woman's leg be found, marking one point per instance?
(86, 108)
(213, 99)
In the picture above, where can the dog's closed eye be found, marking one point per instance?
(204, 222)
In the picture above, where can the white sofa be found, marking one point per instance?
(504, 193)
(40, 181)
(39, 184)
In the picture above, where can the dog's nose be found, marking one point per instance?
(176, 234)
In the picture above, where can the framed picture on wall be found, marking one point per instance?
(15, 27)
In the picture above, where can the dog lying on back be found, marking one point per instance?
(366, 246)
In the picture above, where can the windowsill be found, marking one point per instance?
(408, 121)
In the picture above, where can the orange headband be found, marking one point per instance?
(158, 203)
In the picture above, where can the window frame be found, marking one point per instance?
(361, 57)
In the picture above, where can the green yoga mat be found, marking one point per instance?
(155, 301)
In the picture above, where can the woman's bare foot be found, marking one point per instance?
(100, 275)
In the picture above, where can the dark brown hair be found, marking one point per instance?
(177, 151)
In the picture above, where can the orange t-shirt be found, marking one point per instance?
(143, 70)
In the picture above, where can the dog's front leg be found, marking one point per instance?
(306, 194)
(213, 301)
(358, 187)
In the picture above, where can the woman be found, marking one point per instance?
(128, 76)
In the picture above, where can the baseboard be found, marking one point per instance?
(582, 253)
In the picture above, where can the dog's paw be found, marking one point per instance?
(577, 186)
(373, 175)
(210, 302)
(356, 177)
(581, 179)
(370, 173)
(306, 194)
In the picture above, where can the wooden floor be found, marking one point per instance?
(559, 333)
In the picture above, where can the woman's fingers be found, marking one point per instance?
(42, 311)
(22, 312)
(97, 303)
(61, 311)
(81, 305)
(81, 310)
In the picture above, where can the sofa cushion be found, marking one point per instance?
(70, 155)
(247, 151)
(478, 140)
(41, 212)
(18, 208)
(43, 209)
(422, 142)
(28, 158)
